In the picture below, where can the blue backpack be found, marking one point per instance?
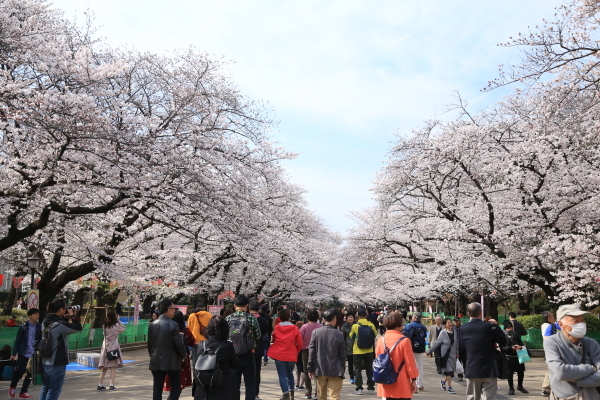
(383, 369)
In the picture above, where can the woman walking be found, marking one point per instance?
(285, 346)
(513, 343)
(217, 343)
(400, 353)
(449, 351)
(111, 328)
(186, 368)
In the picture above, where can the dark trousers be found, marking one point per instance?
(159, 381)
(350, 366)
(520, 370)
(21, 369)
(363, 361)
(247, 370)
(257, 368)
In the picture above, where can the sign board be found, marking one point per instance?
(33, 299)
(183, 309)
(215, 310)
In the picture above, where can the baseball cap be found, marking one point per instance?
(571, 310)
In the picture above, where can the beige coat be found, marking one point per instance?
(110, 343)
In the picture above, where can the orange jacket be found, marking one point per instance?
(197, 322)
(403, 352)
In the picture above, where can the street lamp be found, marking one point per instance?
(33, 263)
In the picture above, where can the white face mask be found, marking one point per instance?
(578, 330)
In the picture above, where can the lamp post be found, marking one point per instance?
(33, 263)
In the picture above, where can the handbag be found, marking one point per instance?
(523, 355)
(111, 354)
(459, 368)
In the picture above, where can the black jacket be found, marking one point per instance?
(20, 346)
(518, 328)
(511, 354)
(165, 345)
(479, 339)
(265, 329)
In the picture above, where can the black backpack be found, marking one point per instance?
(366, 337)
(240, 333)
(207, 368)
(44, 347)
(417, 337)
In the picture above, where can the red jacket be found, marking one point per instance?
(286, 343)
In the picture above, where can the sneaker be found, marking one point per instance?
(100, 387)
(451, 391)
(511, 392)
(443, 385)
(300, 388)
(25, 396)
(11, 392)
(308, 396)
(370, 391)
(522, 389)
(352, 381)
(545, 394)
(358, 391)
(264, 364)
(111, 387)
(421, 388)
(285, 397)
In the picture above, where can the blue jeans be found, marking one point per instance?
(285, 371)
(53, 378)
(266, 346)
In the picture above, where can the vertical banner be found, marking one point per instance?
(430, 310)
(482, 307)
(17, 282)
(136, 310)
(33, 299)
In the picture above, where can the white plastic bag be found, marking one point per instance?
(459, 368)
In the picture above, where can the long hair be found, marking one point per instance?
(178, 317)
(111, 319)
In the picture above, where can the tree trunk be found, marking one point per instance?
(105, 301)
(10, 301)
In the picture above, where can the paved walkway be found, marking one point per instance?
(134, 381)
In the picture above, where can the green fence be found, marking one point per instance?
(534, 339)
(83, 339)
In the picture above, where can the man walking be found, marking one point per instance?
(27, 336)
(462, 355)
(167, 351)
(306, 331)
(479, 339)
(572, 358)
(265, 329)
(434, 331)
(327, 358)
(363, 332)
(244, 333)
(417, 333)
(58, 324)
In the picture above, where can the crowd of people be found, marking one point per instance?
(213, 354)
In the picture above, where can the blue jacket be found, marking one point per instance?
(22, 336)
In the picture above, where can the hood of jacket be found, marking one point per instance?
(287, 331)
(51, 318)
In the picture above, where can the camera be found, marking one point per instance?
(74, 308)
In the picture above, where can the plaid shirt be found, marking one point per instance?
(252, 321)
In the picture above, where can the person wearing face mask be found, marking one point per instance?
(513, 343)
(573, 359)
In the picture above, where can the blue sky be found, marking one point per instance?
(341, 76)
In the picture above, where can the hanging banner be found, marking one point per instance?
(136, 310)
(17, 282)
(430, 310)
(33, 299)
(1, 279)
